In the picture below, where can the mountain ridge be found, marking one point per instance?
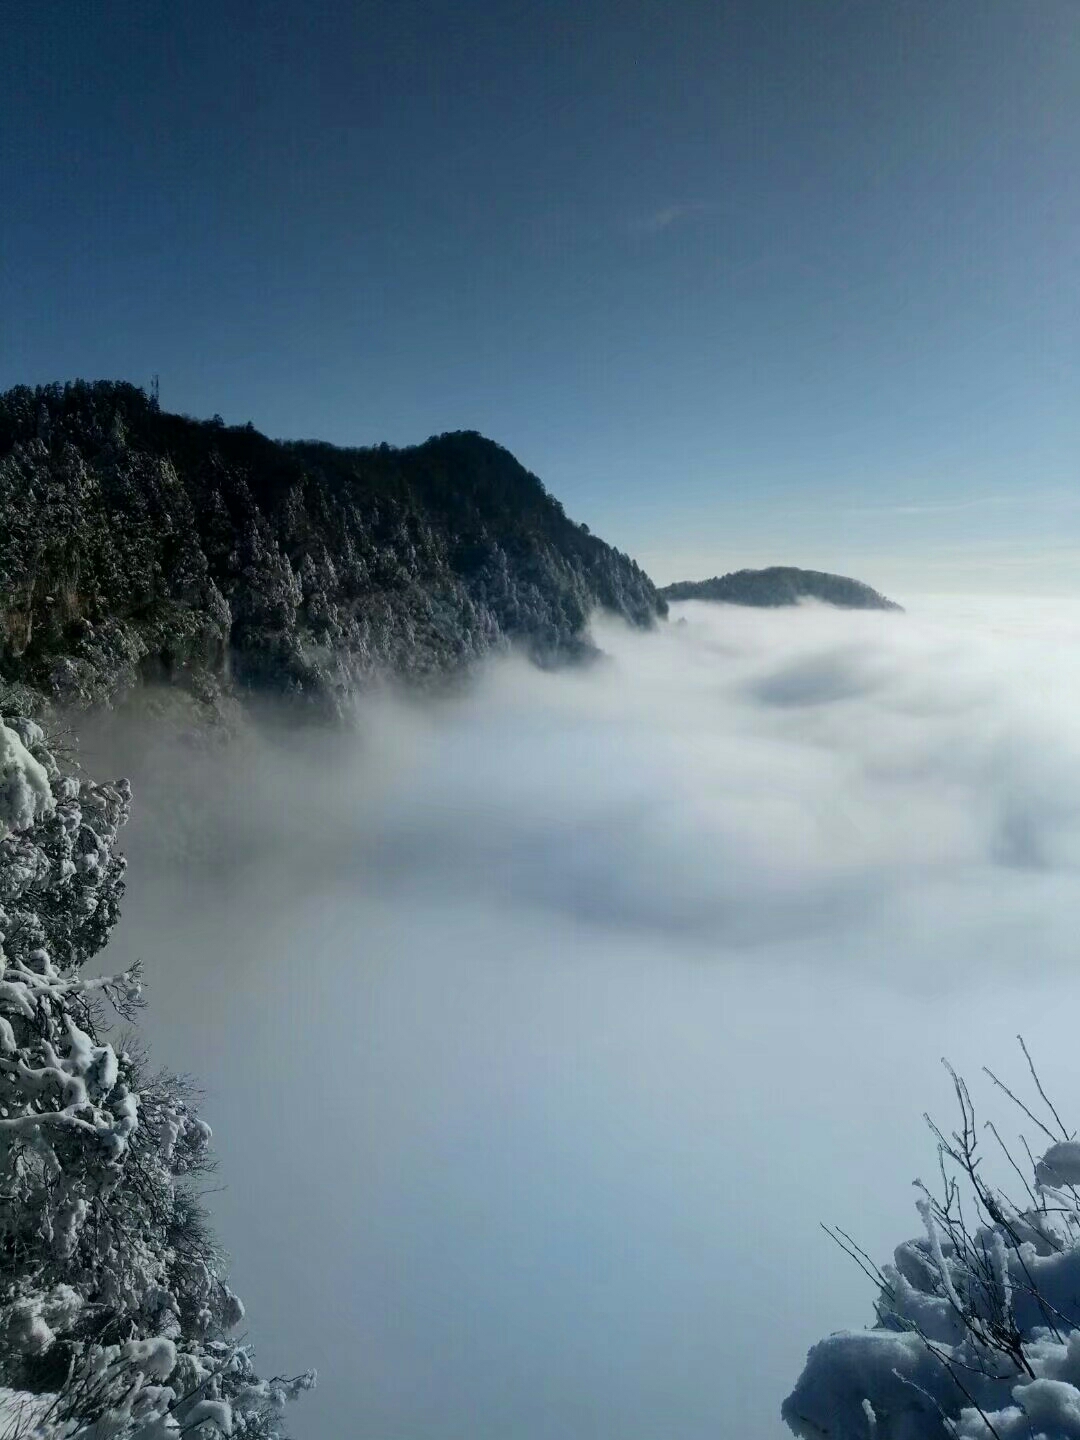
(778, 585)
(147, 546)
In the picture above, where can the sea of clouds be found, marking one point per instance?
(541, 1025)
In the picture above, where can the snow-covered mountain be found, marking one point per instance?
(141, 545)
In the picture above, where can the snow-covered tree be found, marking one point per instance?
(978, 1320)
(113, 1302)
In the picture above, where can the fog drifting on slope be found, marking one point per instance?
(541, 1026)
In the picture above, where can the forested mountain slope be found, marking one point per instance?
(781, 585)
(140, 545)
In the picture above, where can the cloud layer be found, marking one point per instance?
(542, 1025)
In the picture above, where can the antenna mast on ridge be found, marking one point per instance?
(155, 390)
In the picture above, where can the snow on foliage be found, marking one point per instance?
(1060, 1165)
(978, 1320)
(25, 795)
(114, 1313)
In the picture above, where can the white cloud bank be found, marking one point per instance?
(541, 1027)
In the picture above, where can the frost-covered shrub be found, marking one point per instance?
(112, 1293)
(978, 1320)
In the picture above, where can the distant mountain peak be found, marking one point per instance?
(781, 585)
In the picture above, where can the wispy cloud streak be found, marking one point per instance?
(669, 216)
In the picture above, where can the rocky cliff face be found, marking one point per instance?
(138, 546)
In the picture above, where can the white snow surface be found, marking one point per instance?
(20, 1411)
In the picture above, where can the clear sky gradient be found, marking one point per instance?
(778, 280)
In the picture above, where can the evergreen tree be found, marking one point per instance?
(113, 1301)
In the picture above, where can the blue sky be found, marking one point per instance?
(771, 280)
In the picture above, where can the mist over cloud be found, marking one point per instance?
(540, 1025)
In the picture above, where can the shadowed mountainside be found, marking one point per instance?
(145, 546)
(781, 585)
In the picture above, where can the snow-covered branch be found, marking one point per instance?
(978, 1332)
